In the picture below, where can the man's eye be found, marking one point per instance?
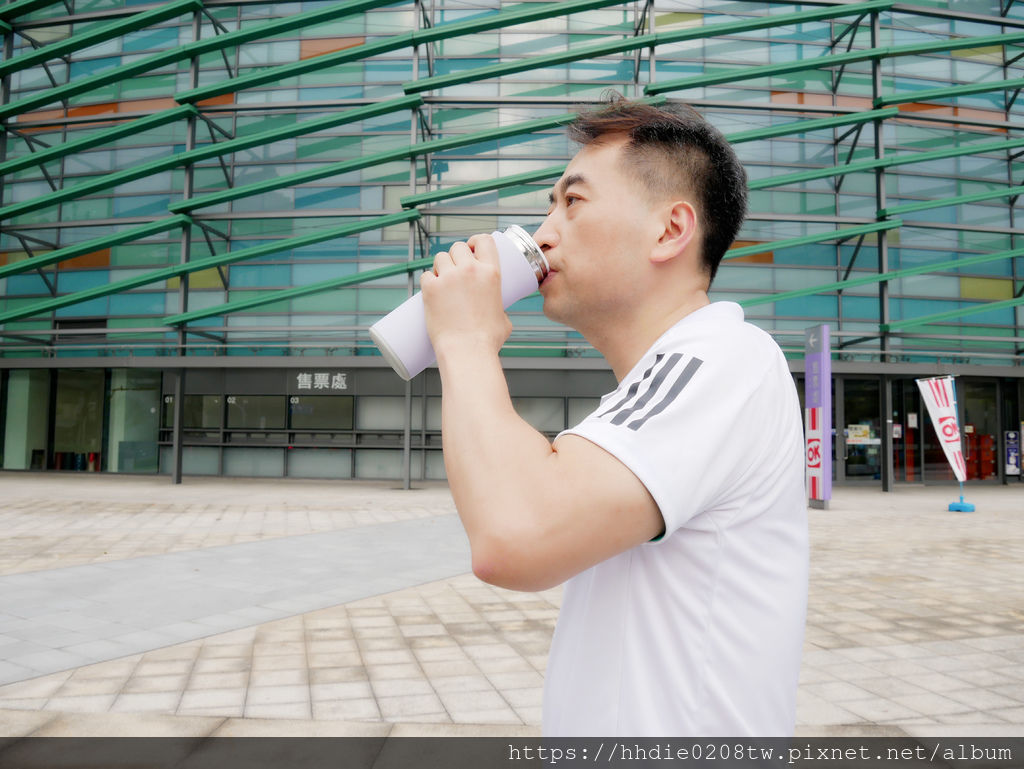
(570, 199)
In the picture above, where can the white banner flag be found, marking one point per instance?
(939, 397)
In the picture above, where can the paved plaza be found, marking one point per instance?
(129, 606)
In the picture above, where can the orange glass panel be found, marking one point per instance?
(767, 257)
(318, 47)
(99, 258)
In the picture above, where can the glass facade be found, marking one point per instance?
(202, 186)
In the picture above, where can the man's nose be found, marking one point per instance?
(546, 235)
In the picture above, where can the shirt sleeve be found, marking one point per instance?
(675, 424)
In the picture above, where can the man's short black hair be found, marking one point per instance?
(673, 151)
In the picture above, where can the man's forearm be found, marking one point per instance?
(496, 463)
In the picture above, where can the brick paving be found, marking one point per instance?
(915, 621)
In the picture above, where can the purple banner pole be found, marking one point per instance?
(818, 414)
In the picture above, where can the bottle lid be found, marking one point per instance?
(530, 250)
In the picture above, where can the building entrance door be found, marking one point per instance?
(907, 422)
(981, 429)
(78, 420)
(862, 457)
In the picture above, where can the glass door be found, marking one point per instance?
(862, 458)
(907, 422)
(981, 429)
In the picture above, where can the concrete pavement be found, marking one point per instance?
(265, 607)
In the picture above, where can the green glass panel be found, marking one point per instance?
(84, 210)
(145, 87)
(329, 301)
(148, 254)
(234, 296)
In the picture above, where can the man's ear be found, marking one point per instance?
(680, 227)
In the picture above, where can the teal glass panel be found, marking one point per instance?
(27, 285)
(915, 308)
(73, 281)
(860, 307)
(303, 274)
(141, 205)
(808, 307)
(387, 71)
(327, 197)
(81, 69)
(84, 309)
(149, 40)
(259, 276)
(137, 304)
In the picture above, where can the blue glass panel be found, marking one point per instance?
(92, 307)
(303, 274)
(137, 304)
(70, 282)
(860, 307)
(344, 248)
(388, 71)
(331, 92)
(448, 66)
(602, 70)
(916, 308)
(141, 205)
(259, 276)
(151, 39)
(1004, 317)
(808, 307)
(327, 197)
(24, 285)
(92, 66)
(816, 254)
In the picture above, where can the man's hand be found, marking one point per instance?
(462, 297)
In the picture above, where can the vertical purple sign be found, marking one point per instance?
(818, 414)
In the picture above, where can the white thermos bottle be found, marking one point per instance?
(401, 335)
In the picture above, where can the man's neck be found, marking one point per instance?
(623, 345)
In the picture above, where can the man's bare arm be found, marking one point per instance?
(535, 513)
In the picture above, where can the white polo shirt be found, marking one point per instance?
(700, 632)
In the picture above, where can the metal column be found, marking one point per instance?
(883, 266)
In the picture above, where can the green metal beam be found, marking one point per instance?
(21, 7)
(203, 153)
(640, 41)
(959, 200)
(805, 126)
(279, 72)
(932, 94)
(842, 285)
(206, 263)
(884, 52)
(96, 244)
(425, 263)
(799, 126)
(5, 27)
(471, 189)
(805, 240)
(344, 166)
(98, 139)
(99, 34)
(870, 165)
(519, 14)
(195, 48)
(951, 314)
(298, 291)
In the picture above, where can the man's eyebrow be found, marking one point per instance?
(566, 183)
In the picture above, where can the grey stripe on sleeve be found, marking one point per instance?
(658, 380)
(634, 387)
(680, 383)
